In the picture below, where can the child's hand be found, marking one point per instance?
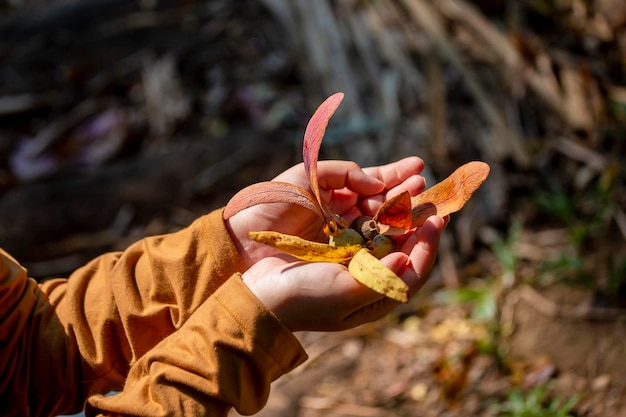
(324, 296)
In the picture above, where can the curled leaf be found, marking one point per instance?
(271, 192)
(305, 249)
(396, 212)
(313, 136)
(369, 271)
(446, 197)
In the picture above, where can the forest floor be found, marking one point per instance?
(121, 119)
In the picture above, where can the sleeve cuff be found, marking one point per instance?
(269, 335)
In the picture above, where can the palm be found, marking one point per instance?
(296, 220)
(293, 219)
(324, 296)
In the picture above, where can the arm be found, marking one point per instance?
(224, 356)
(67, 340)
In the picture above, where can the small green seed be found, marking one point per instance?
(347, 238)
(381, 245)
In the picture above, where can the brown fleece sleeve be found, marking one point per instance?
(66, 340)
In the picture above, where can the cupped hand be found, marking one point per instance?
(349, 190)
(324, 296)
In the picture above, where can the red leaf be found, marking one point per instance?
(313, 136)
(396, 212)
(446, 197)
(271, 192)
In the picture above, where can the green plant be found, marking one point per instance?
(616, 276)
(586, 213)
(567, 267)
(481, 295)
(534, 403)
(504, 251)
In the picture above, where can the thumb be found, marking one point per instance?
(418, 254)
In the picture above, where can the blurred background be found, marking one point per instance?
(123, 119)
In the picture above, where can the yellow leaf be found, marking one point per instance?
(369, 271)
(305, 249)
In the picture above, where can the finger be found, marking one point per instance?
(414, 184)
(397, 172)
(335, 175)
(423, 252)
(370, 312)
(413, 268)
(344, 203)
(377, 307)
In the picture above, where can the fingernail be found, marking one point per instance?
(403, 267)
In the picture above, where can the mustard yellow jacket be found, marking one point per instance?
(168, 323)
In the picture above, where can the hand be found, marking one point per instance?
(349, 190)
(325, 297)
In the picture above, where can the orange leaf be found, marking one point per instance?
(396, 212)
(451, 194)
(313, 136)
(270, 192)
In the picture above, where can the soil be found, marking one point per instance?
(393, 368)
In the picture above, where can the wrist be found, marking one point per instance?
(238, 233)
(266, 292)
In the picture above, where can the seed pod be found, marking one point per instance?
(381, 245)
(348, 237)
(366, 226)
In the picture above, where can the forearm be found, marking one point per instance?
(66, 340)
(226, 354)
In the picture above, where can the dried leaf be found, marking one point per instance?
(396, 212)
(446, 197)
(305, 249)
(275, 192)
(313, 136)
(369, 271)
(453, 367)
(451, 194)
(271, 192)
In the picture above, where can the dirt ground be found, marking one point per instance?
(393, 368)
